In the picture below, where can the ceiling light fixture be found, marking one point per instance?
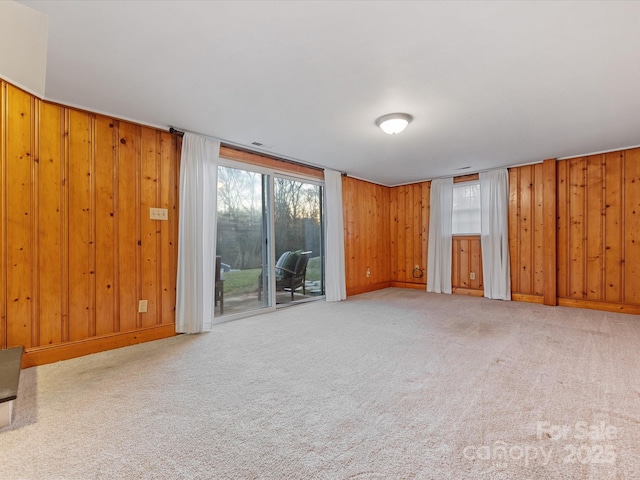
(394, 123)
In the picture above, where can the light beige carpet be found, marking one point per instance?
(395, 384)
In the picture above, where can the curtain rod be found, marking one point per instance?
(180, 133)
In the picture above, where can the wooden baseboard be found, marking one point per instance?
(525, 297)
(367, 288)
(416, 286)
(606, 306)
(54, 353)
(473, 292)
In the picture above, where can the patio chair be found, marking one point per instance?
(219, 287)
(291, 271)
(290, 278)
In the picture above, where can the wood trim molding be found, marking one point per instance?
(549, 233)
(522, 297)
(415, 286)
(467, 178)
(467, 291)
(367, 288)
(264, 161)
(595, 305)
(54, 353)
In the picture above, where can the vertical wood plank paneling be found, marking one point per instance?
(3, 215)
(349, 227)
(79, 254)
(105, 244)
(614, 226)
(594, 228)
(410, 234)
(538, 231)
(18, 214)
(51, 224)
(92, 226)
(562, 250)
(150, 229)
(362, 238)
(426, 210)
(525, 237)
(632, 226)
(475, 264)
(394, 212)
(366, 212)
(384, 240)
(577, 231)
(71, 192)
(455, 263)
(464, 265)
(416, 257)
(549, 222)
(514, 228)
(35, 221)
(168, 241)
(402, 233)
(127, 231)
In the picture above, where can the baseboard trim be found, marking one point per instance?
(524, 297)
(473, 292)
(54, 353)
(415, 286)
(595, 305)
(367, 288)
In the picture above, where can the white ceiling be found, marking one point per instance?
(489, 83)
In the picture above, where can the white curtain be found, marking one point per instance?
(197, 234)
(494, 199)
(439, 254)
(336, 289)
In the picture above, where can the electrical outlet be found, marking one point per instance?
(158, 214)
(142, 306)
(417, 267)
(368, 272)
(472, 275)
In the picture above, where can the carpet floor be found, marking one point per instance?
(393, 384)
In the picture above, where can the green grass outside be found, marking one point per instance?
(246, 281)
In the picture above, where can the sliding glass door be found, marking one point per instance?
(298, 238)
(269, 239)
(243, 240)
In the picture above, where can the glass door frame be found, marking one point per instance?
(271, 250)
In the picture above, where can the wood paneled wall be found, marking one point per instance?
(392, 255)
(526, 230)
(367, 235)
(466, 261)
(574, 234)
(78, 250)
(409, 221)
(599, 230)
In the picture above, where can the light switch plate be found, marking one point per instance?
(158, 214)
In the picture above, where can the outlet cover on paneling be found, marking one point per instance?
(158, 214)
(142, 306)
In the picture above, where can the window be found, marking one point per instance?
(466, 208)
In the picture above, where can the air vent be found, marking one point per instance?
(464, 168)
(258, 144)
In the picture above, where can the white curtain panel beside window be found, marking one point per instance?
(439, 253)
(494, 194)
(197, 234)
(336, 289)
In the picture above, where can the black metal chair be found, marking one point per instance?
(219, 288)
(291, 272)
(291, 279)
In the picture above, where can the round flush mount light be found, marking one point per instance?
(394, 123)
